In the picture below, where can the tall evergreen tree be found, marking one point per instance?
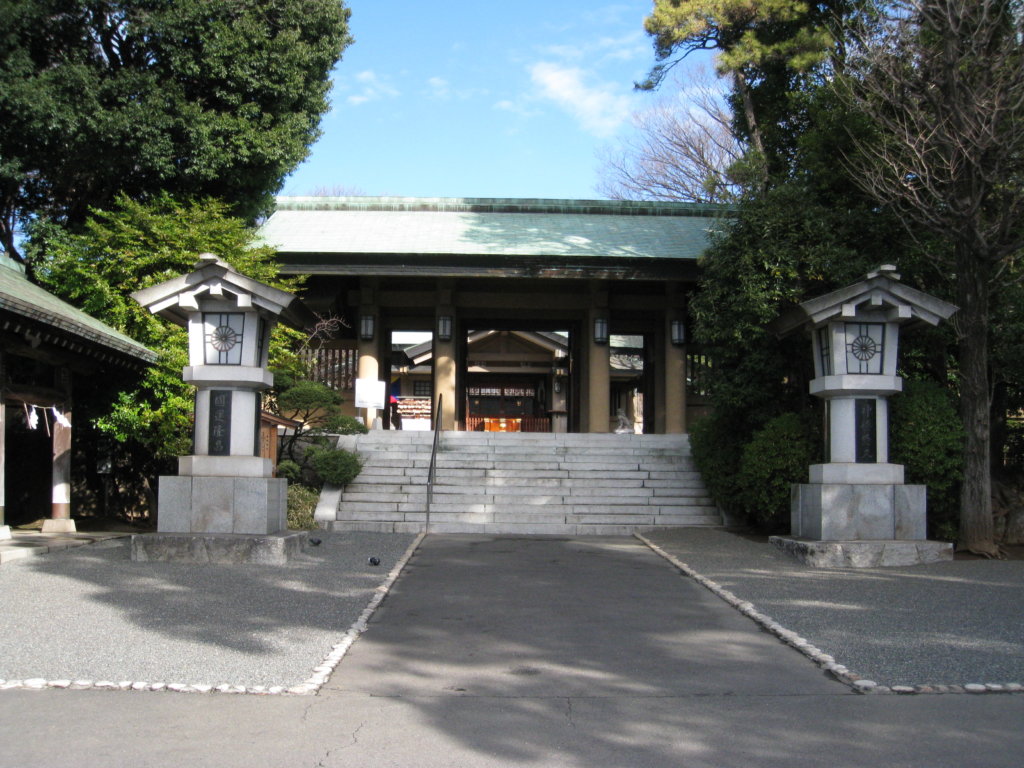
(217, 98)
(763, 48)
(943, 85)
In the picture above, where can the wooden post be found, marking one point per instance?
(369, 368)
(446, 363)
(369, 350)
(60, 515)
(598, 377)
(5, 530)
(674, 383)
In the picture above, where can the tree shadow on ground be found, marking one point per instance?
(949, 623)
(526, 647)
(92, 613)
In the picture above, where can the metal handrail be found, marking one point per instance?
(433, 462)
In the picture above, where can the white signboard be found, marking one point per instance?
(369, 394)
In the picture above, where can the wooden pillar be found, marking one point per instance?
(445, 358)
(60, 508)
(598, 385)
(674, 382)
(368, 349)
(368, 368)
(5, 530)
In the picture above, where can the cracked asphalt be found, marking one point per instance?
(499, 651)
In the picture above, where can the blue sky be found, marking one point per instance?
(479, 99)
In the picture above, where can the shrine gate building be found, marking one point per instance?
(578, 308)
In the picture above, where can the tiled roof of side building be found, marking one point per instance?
(491, 226)
(20, 297)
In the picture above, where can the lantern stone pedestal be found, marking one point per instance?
(224, 505)
(864, 553)
(856, 510)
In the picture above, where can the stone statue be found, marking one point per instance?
(625, 426)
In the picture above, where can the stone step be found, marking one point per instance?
(554, 514)
(566, 452)
(576, 484)
(497, 528)
(541, 461)
(581, 495)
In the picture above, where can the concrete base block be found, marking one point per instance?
(272, 549)
(59, 525)
(224, 466)
(243, 505)
(855, 512)
(5, 532)
(858, 474)
(864, 553)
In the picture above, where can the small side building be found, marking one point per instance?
(46, 345)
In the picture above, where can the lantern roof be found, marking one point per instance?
(177, 298)
(879, 292)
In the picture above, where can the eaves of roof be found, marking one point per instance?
(322, 231)
(21, 297)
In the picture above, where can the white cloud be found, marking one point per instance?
(439, 88)
(520, 107)
(600, 109)
(371, 87)
(598, 51)
(634, 46)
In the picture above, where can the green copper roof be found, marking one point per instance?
(19, 296)
(490, 227)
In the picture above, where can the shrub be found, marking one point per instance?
(302, 502)
(333, 465)
(343, 425)
(776, 457)
(717, 449)
(310, 403)
(289, 470)
(306, 397)
(927, 438)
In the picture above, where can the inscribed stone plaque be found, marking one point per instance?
(866, 431)
(220, 422)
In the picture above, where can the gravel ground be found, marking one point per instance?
(91, 613)
(946, 623)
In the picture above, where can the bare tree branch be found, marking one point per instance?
(326, 329)
(942, 81)
(682, 149)
(950, 153)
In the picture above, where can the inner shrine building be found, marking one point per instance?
(578, 306)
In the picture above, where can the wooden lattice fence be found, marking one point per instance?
(334, 367)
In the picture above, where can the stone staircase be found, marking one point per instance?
(563, 484)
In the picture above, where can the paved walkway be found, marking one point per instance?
(24, 544)
(595, 617)
(493, 651)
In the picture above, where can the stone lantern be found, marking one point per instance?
(224, 488)
(856, 509)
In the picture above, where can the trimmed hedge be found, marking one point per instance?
(333, 465)
(776, 457)
(717, 446)
(343, 425)
(927, 438)
(750, 475)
